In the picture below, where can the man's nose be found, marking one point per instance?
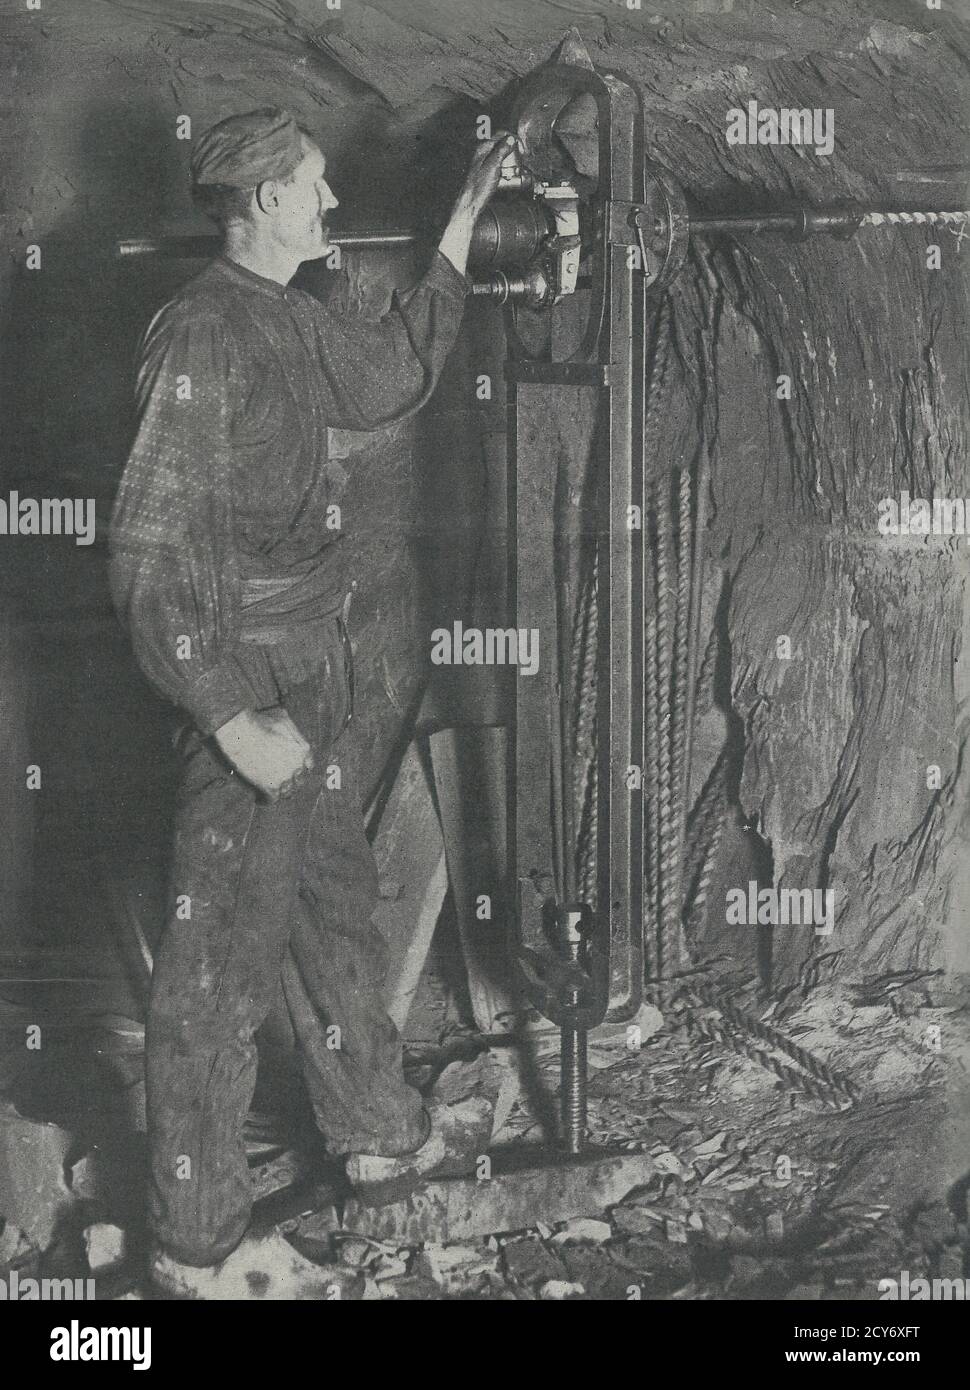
(329, 200)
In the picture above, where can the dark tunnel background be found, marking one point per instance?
(94, 90)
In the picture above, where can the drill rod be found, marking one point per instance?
(203, 247)
(805, 221)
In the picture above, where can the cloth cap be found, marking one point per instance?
(241, 151)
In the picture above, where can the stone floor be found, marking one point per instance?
(738, 1183)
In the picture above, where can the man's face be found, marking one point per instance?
(304, 201)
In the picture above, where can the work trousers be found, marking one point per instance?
(269, 901)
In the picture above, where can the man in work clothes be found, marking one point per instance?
(230, 583)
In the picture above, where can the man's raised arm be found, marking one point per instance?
(380, 372)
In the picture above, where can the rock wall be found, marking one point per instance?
(830, 746)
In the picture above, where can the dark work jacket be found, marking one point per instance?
(226, 485)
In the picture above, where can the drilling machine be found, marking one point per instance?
(602, 746)
(581, 240)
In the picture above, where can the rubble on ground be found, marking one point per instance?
(106, 1246)
(710, 1175)
(33, 1190)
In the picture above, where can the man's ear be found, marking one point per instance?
(267, 195)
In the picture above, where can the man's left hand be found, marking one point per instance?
(481, 182)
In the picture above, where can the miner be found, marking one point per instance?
(232, 583)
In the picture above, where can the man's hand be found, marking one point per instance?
(480, 184)
(484, 172)
(266, 748)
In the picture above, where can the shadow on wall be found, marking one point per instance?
(74, 324)
(66, 368)
(67, 360)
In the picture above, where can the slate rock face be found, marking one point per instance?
(852, 744)
(828, 748)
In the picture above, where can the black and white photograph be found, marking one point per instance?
(485, 664)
